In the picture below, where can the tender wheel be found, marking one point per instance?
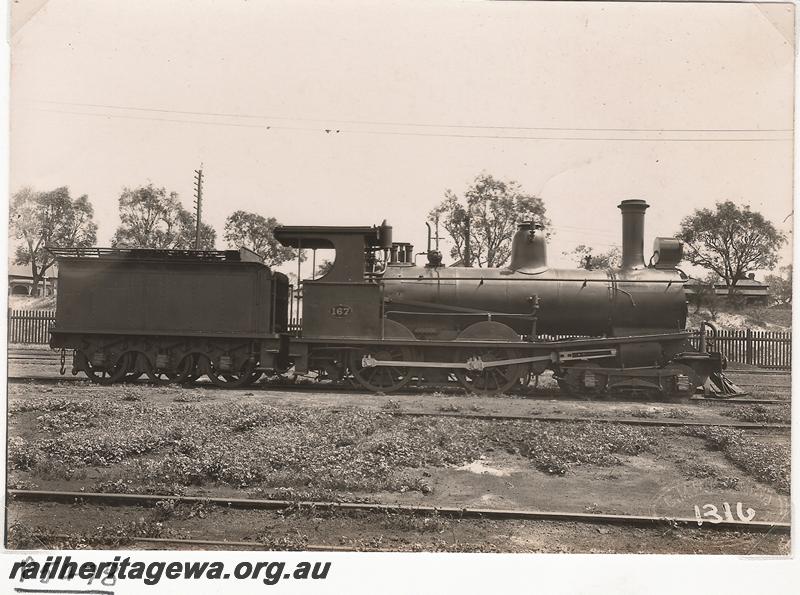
(247, 381)
(106, 374)
(184, 371)
(244, 377)
(137, 365)
(382, 379)
(197, 371)
(493, 380)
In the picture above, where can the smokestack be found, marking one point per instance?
(633, 233)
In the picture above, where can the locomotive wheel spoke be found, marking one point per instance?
(494, 380)
(497, 379)
(136, 367)
(105, 375)
(382, 378)
(185, 369)
(196, 370)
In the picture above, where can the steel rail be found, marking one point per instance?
(537, 394)
(421, 280)
(730, 372)
(253, 545)
(448, 511)
(598, 420)
(741, 401)
(545, 418)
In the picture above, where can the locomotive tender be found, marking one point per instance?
(384, 322)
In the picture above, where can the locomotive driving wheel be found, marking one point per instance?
(492, 379)
(382, 379)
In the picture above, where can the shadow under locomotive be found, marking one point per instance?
(382, 321)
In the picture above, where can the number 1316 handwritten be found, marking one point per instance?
(711, 513)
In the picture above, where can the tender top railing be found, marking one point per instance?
(241, 255)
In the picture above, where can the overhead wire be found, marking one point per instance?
(409, 124)
(333, 130)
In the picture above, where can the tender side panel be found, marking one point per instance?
(162, 297)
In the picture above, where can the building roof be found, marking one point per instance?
(24, 270)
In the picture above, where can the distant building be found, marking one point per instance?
(748, 289)
(20, 282)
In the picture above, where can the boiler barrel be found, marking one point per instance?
(592, 302)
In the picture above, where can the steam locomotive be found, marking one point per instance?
(382, 321)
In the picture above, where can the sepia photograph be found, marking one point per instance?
(474, 277)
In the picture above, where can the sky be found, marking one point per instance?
(583, 104)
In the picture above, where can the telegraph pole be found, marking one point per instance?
(198, 204)
(467, 238)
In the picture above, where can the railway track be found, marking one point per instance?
(451, 512)
(165, 542)
(758, 372)
(48, 356)
(541, 393)
(669, 423)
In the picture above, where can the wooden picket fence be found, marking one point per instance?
(30, 326)
(764, 349)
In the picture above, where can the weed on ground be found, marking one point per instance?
(150, 448)
(555, 448)
(133, 446)
(769, 463)
(778, 413)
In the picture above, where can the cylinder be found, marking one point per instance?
(633, 233)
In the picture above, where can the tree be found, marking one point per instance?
(151, 218)
(323, 268)
(257, 233)
(780, 286)
(730, 241)
(482, 223)
(704, 294)
(49, 219)
(188, 230)
(586, 258)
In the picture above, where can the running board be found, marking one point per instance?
(477, 364)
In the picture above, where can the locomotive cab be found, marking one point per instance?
(347, 300)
